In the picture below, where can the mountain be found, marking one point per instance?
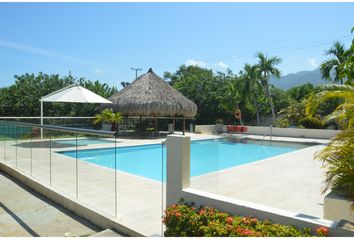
(294, 79)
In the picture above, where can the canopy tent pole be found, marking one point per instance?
(41, 119)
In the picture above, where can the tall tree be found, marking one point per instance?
(347, 67)
(338, 57)
(267, 67)
(251, 85)
(231, 96)
(202, 87)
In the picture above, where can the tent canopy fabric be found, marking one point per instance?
(74, 94)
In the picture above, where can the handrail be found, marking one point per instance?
(130, 117)
(64, 129)
(46, 117)
(270, 130)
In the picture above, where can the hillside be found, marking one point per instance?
(294, 79)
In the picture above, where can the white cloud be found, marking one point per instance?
(222, 65)
(41, 51)
(98, 70)
(192, 62)
(312, 62)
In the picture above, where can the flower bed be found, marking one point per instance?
(183, 220)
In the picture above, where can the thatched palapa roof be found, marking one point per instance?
(150, 95)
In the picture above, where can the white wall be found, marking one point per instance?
(281, 132)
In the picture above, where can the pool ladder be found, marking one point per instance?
(270, 133)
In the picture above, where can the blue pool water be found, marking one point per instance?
(83, 141)
(206, 156)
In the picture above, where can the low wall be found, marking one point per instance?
(80, 209)
(337, 208)
(178, 186)
(237, 207)
(280, 132)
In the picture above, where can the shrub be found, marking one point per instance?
(311, 122)
(183, 220)
(338, 162)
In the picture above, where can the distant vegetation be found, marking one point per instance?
(217, 94)
(22, 98)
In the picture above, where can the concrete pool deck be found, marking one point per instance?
(24, 213)
(292, 181)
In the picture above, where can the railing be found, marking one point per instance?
(127, 125)
(270, 132)
(91, 166)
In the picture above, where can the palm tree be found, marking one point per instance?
(344, 113)
(232, 96)
(266, 68)
(338, 53)
(251, 86)
(337, 157)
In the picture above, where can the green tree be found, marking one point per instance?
(202, 87)
(267, 67)
(250, 86)
(344, 113)
(338, 54)
(347, 67)
(22, 98)
(301, 92)
(232, 97)
(337, 157)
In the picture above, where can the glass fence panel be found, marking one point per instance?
(63, 164)
(205, 163)
(95, 158)
(2, 139)
(41, 154)
(24, 148)
(141, 182)
(10, 144)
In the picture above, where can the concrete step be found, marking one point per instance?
(106, 233)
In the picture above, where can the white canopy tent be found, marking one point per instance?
(72, 94)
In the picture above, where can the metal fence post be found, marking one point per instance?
(77, 171)
(115, 177)
(50, 158)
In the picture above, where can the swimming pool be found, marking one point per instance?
(206, 156)
(83, 141)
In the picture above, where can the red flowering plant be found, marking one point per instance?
(322, 231)
(184, 220)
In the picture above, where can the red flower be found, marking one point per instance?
(178, 214)
(322, 231)
(254, 220)
(201, 212)
(247, 232)
(239, 230)
(229, 220)
(245, 220)
(173, 206)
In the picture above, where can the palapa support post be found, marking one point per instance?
(174, 123)
(155, 126)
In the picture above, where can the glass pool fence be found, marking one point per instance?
(65, 159)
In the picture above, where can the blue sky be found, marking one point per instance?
(104, 40)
